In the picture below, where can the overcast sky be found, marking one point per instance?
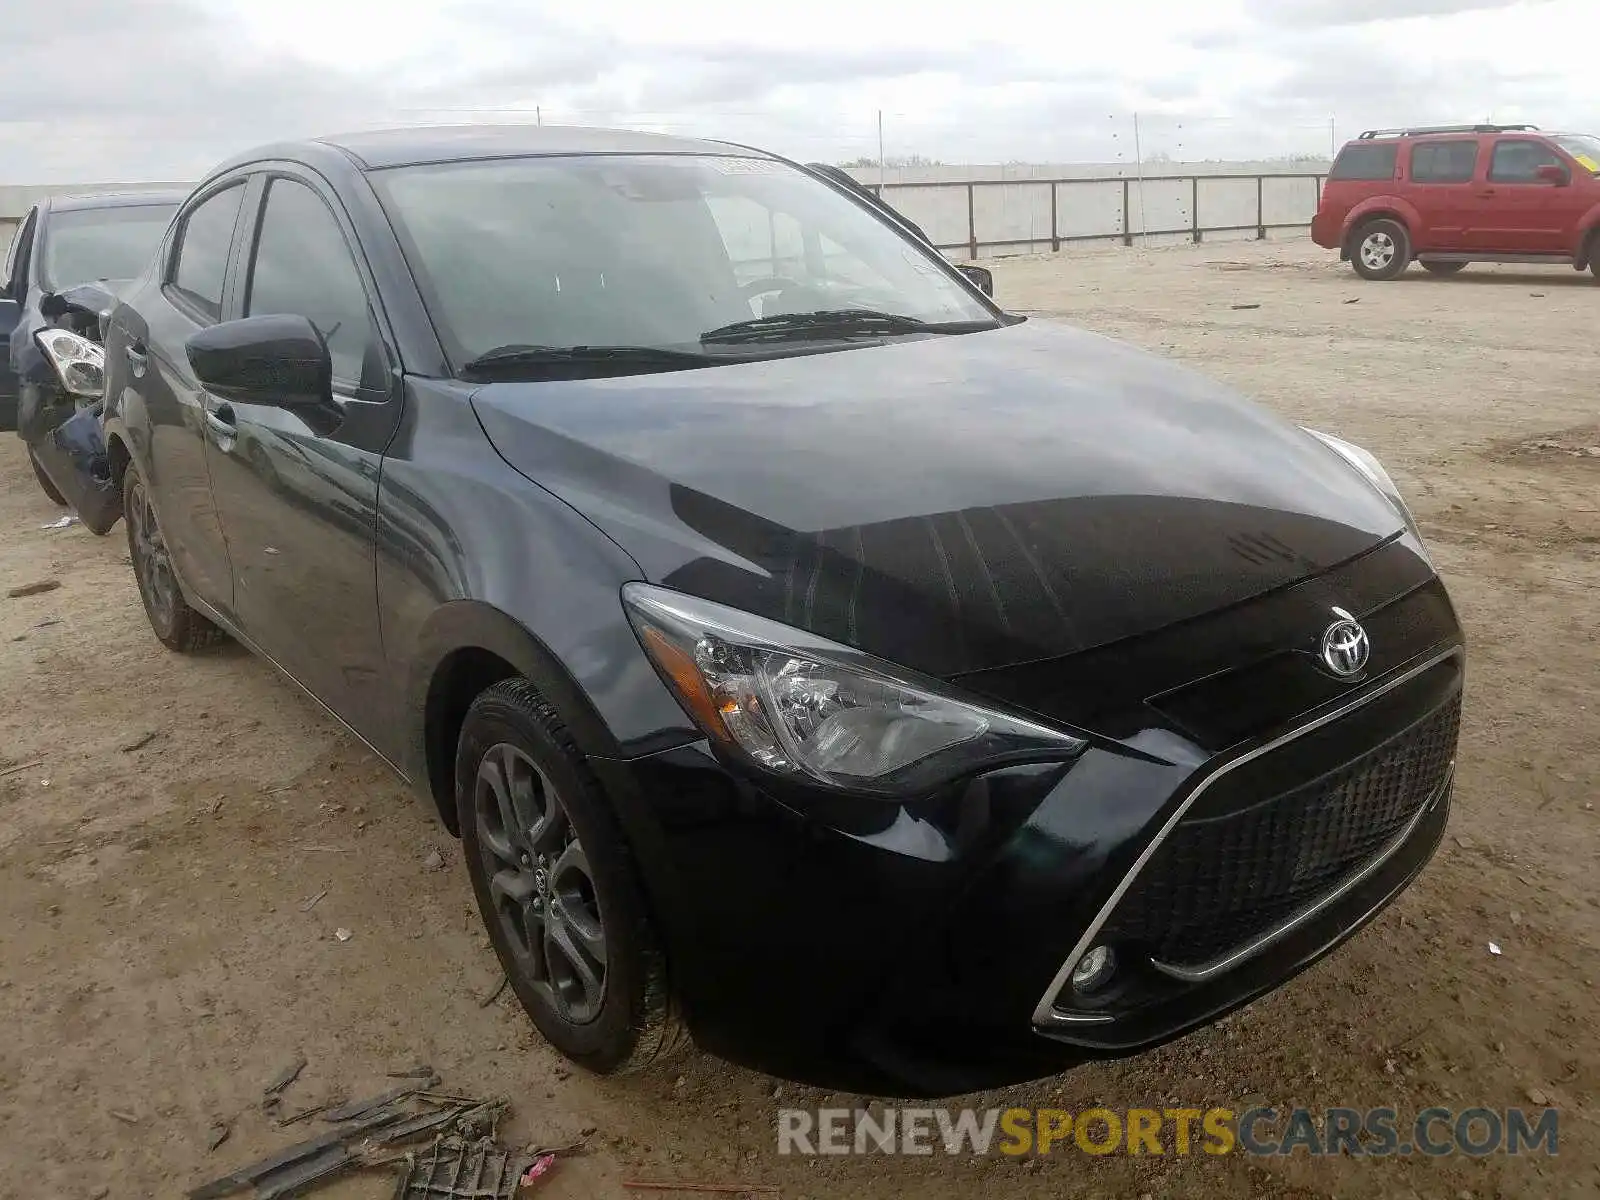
(96, 90)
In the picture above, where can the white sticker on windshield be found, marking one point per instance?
(745, 166)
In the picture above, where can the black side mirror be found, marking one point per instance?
(279, 361)
(52, 306)
(1554, 173)
(981, 276)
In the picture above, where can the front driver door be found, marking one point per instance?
(1518, 212)
(298, 501)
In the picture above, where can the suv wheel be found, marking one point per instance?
(178, 626)
(557, 887)
(1443, 268)
(1380, 249)
(50, 489)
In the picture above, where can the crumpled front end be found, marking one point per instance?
(60, 423)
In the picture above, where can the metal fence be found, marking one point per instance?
(1037, 215)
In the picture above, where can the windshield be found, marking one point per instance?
(1583, 147)
(85, 244)
(654, 251)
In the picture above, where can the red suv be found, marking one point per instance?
(1454, 194)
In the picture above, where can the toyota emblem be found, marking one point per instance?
(1345, 646)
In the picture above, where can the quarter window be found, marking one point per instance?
(1359, 161)
(1517, 160)
(1443, 162)
(303, 266)
(201, 264)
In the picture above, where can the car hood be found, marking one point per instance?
(954, 503)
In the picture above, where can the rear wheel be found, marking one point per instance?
(1380, 249)
(178, 626)
(1443, 268)
(50, 489)
(1594, 253)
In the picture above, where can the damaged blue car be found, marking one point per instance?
(62, 271)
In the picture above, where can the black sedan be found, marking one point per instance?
(888, 691)
(68, 256)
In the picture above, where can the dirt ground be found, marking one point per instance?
(166, 822)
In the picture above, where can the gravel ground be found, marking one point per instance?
(166, 822)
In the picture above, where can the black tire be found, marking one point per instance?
(50, 489)
(550, 868)
(1380, 250)
(1443, 268)
(178, 626)
(1594, 254)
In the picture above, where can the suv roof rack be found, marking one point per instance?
(1413, 130)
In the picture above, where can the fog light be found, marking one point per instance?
(1094, 969)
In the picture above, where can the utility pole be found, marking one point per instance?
(881, 164)
(1333, 141)
(1138, 156)
(538, 115)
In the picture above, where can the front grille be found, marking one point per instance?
(1218, 881)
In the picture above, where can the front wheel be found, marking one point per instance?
(178, 626)
(1381, 250)
(557, 887)
(1443, 268)
(1594, 254)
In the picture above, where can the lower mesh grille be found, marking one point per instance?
(1217, 882)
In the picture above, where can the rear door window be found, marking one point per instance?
(1444, 162)
(1517, 160)
(201, 262)
(1365, 161)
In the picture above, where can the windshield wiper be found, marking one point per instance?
(834, 323)
(513, 357)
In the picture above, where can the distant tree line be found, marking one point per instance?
(895, 160)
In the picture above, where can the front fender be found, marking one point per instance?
(1380, 206)
(1587, 225)
(474, 625)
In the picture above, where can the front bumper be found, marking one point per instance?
(923, 949)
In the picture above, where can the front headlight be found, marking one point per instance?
(1370, 467)
(79, 363)
(804, 707)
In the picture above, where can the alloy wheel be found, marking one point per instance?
(152, 563)
(540, 880)
(1377, 250)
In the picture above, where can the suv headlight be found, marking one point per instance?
(79, 363)
(1373, 470)
(804, 707)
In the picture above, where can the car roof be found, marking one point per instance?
(80, 203)
(377, 149)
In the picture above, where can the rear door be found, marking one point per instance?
(1516, 211)
(155, 378)
(298, 501)
(1441, 175)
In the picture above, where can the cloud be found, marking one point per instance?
(101, 92)
(1322, 14)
